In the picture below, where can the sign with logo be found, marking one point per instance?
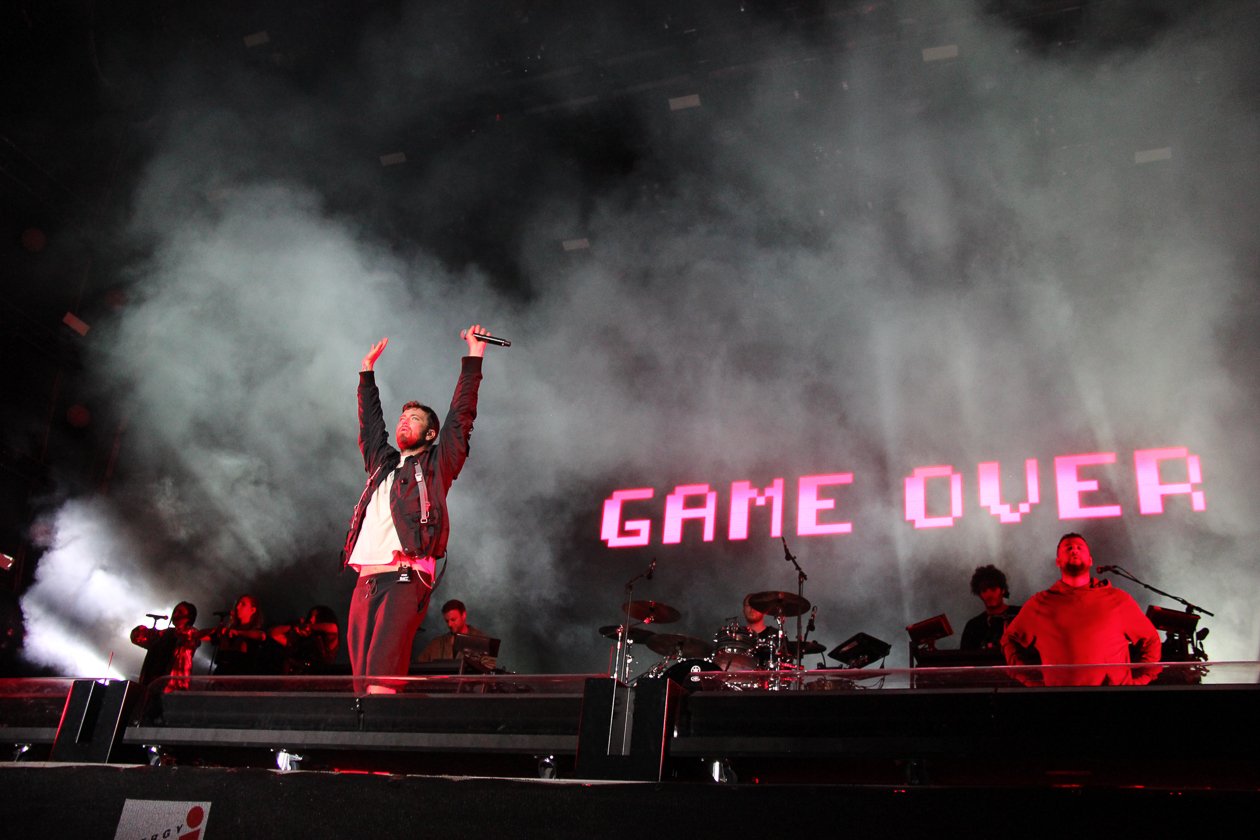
(155, 819)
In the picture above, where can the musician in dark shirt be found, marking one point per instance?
(984, 631)
(310, 645)
(455, 614)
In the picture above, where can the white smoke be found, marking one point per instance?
(859, 277)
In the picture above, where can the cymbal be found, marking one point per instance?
(654, 612)
(637, 635)
(778, 604)
(675, 643)
(789, 647)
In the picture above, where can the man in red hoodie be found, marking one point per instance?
(1081, 621)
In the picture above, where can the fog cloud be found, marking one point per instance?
(874, 265)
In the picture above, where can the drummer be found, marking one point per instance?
(755, 621)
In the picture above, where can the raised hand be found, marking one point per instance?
(476, 347)
(375, 353)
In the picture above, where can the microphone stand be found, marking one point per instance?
(620, 663)
(1124, 573)
(801, 577)
(1194, 641)
(218, 639)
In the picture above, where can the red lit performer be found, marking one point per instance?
(1081, 621)
(400, 526)
(170, 651)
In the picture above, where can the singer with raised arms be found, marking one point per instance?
(400, 526)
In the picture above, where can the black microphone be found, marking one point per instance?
(787, 555)
(651, 570)
(1102, 570)
(813, 614)
(491, 339)
(157, 617)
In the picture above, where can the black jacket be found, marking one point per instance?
(418, 507)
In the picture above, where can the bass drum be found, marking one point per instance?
(689, 673)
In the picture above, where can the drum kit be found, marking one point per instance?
(765, 660)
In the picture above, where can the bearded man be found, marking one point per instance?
(400, 526)
(1081, 620)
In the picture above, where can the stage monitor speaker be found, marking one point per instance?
(92, 720)
(610, 746)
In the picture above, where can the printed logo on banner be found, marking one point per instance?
(155, 819)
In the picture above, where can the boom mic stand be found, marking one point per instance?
(621, 680)
(1124, 573)
(218, 636)
(1190, 608)
(801, 577)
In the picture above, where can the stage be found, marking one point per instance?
(889, 751)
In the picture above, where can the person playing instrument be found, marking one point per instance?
(455, 614)
(170, 651)
(1081, 621)
(240, 640)
(400, 525)
(748, 646)
(984, 631)
(755, 621)
(310, 645)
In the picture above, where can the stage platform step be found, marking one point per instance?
(821, 727)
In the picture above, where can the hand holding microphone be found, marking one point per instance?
(478, 337)
(492, 339)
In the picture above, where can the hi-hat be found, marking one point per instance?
(634, 634)
(778, 604)
(654, 612)
(679, 645)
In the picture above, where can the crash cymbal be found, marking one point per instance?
(654, 612)
(638, 635)
(676, 644)
(778, 604)
(789, 648)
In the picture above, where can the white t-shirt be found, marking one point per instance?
(378, 538)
